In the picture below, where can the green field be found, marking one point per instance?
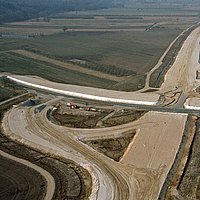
(18, 64)
(110, 40)
(127, 50)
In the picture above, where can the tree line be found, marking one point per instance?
(107, 69)
(20, 10)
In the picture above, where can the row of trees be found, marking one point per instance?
(107, 69)
(19, 10)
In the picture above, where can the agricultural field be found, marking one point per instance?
(19, 64)
(122, 42)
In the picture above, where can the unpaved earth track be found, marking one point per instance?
(183, 72)
(68, 65)
(149, 157)
(129, 179)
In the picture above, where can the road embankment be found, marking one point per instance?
(49, 179)
(90, 93)
(192, 104)
(177, 159)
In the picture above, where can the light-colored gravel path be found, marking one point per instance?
(69, 66)
(111, 180)
(183, 72)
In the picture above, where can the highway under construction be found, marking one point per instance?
(153, 144)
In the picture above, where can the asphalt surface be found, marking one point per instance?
(176, 108)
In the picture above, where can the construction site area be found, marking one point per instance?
(99, 147)
(81, 142)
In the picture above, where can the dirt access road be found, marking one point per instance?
(87, 92)
(183, 72)
(147, 157)
(160, 61)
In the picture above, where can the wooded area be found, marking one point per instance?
(19, 10)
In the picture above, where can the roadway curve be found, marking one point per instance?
(35, 130)
(141, 173)
(25, 186)
(96, 94)
(131, 178)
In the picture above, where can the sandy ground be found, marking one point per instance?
(195, 101)
(143, 169)
(183, 71)
(152, 152)
(147, 158)
(41, 138)
(192, 103)
(154, 149)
